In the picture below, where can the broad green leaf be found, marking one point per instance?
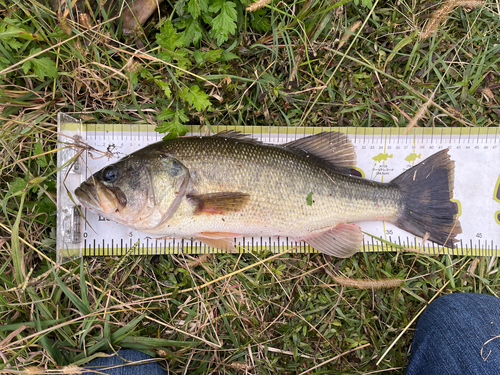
(212, 55)
(44, 67)
(204, 56)
(207, 19)
(16, 187)
(178, 55)
(226, 56)
(13, 43)
(165, 86)
(174, 127)
(4, 63)
(260, 20)
(26, 66)
(197, 56)
(168, 37)
(166, 114)
(195, 97)
(179, 7)
(9, 31)
(41, 160)
(225, 23)
(196, 7)
(193, 32)
(216, 6)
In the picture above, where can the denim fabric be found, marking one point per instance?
(102, 364)
(450, 334)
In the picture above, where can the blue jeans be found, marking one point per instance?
(453, 336)
(111, 365)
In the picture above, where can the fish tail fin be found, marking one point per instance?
(427, 189)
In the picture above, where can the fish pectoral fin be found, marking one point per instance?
(219, 240)
(218, 203)
(342, 241)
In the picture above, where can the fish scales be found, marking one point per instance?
(278, 183)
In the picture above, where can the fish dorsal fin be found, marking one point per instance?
(333, 148)
(236, 135)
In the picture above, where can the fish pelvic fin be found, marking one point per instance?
(427, 209)
(218, 203)
(220, 240)
(342, 241)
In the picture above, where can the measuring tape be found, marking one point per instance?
(382, 153)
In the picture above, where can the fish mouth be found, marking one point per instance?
(96, 196)
(87, 194)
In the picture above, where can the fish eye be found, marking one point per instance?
(110, 174)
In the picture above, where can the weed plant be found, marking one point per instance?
(203, 62)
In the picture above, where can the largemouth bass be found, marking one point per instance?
(220, 187)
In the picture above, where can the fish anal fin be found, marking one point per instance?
(218, 203)
(220, 240)
(333, 148)
(341, 241)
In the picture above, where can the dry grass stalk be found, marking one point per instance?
(257, 5)
(419, 114)
(72, 369)
(488, 93)
(32, 370)
(355, 26)
(470, 4)
(441, 13)
(368, 284)
(473, 266)
(202, 259)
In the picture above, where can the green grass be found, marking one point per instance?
(281, 66)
